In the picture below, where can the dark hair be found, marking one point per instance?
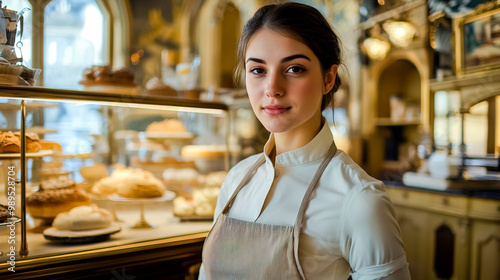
(304, 23)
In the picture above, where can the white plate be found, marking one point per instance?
(84, 236)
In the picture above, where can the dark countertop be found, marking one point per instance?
(489, 194)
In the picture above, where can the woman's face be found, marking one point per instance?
(285, 83)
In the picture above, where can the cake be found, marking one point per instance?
(130, 183)
(4, 213)
(170, 125)
(104, 75)
(156, 87)
(55, 196)
(83, 218)
(180, 177)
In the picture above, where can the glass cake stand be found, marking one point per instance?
(142, 223)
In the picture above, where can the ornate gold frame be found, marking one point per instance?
(481, 12)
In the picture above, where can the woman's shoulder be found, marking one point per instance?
(348, 174)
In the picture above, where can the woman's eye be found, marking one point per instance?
(257, 71)
(295, 69)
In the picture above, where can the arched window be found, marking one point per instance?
(74, 39)
(63, 37)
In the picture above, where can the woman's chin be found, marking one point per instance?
(275, 128)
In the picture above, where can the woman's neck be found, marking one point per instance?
(292, 140)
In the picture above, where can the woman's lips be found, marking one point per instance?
(274, 110)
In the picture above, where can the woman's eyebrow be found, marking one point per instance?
(286, 59)
(292, 57)
(255, 60)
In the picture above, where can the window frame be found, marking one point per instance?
(117, 15)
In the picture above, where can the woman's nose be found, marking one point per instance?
(274, 86)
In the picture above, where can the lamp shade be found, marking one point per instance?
(376, 48)
(400, 32)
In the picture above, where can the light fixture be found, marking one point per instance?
(400, 32)
(376, 48)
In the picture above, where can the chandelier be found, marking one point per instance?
(400, 32)
(376, 48)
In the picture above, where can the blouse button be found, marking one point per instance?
(276, 173)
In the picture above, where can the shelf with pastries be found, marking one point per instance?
(128, 244)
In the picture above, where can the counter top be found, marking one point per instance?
(488, 194)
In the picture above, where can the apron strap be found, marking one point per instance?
(243, 182)
(305, 202)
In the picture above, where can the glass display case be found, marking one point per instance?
(143, 173)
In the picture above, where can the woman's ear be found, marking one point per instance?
(330, 76)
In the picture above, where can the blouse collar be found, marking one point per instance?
(312, 151)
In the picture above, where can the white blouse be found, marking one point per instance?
(349, 226)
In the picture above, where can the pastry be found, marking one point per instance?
(130, 183)
(123, 76)
(204, 151)
(215, 179)
(83, 218)
(93, 173)
(206, 195)
(4, 213)
(203, 203)
(104, 75)
(105, 186)
(50, 145)
(204, 209)
(146, 189)
(181, 177)
(9, 143)
(170, 125)
(183, 207)
(32, 141)
(55, 196)
(156, 87)
(138, 183)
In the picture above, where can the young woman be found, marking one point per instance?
(302, 209)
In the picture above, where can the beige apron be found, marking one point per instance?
(236, 249)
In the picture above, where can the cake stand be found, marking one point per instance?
(10, 221)
(142, 223)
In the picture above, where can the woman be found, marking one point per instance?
(301, 209)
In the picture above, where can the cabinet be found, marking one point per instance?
(448, 236)
(413, 224)
(99, 131)
(485, 239)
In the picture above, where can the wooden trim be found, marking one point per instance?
(169, 255)
(490, 142)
